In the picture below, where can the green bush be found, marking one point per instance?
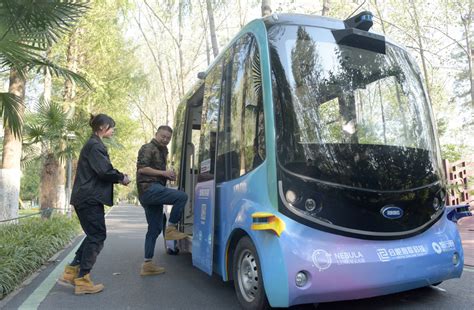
(25, 246)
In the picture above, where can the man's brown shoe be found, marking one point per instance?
(70, 273)
(171, 233)
(150, 269)
(85, 285)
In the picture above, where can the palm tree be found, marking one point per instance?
(27, 29)
(46, 138)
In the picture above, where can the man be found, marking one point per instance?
(152, 176)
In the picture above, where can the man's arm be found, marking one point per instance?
(150, 171)
(169, 174)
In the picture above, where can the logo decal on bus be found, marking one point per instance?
(322, 259)
(392, 212)
(443, 246)
(389, 254)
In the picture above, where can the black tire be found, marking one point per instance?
(248, 285)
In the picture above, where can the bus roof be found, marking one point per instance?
(303, 19)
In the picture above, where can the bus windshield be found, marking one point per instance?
(349, 115)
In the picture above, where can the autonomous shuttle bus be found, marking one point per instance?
(311, 161)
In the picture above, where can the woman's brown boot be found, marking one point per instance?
(85, 285)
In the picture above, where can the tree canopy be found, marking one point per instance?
(27, 30)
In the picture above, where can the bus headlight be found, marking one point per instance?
(290, 196)
(301, 279)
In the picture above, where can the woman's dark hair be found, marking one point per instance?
(100, 120)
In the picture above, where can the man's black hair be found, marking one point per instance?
(165, 127)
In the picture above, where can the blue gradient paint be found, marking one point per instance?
(338, 267)
(203, 226)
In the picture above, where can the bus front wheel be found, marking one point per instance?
(248, 281)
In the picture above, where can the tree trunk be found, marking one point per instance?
(420, 46)
(212, 28)
(11, 144)
(467, 22)
(172, 83)
(49, 176)
(180, 52)
(204, 25)
(159, 66)
(379, 13)
(48, 82)
(69, 107)
(10, 172)
(325, 9)
(266, 7)
(72, 58)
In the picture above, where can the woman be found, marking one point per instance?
(92, 189)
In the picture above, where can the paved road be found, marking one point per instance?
(466, 229)
(185, 287)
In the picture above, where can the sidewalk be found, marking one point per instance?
(466, 229)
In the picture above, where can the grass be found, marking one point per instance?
(25, 246)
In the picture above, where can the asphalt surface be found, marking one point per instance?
(186, 287)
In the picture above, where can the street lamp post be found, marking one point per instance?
(70, 137)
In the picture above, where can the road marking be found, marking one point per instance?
(39, 294)
(470, 269)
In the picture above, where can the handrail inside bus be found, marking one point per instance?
(192, 149)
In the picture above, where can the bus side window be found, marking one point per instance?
(241, 140)
(210, 113)
(253, 139)
(258, 152)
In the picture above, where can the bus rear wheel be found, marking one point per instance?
(248, 281)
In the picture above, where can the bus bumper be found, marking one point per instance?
(343, 268)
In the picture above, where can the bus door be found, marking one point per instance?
(191, 120)
(204, 192)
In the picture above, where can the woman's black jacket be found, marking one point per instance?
(95, 175)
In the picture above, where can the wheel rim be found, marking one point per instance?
(247, 274)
